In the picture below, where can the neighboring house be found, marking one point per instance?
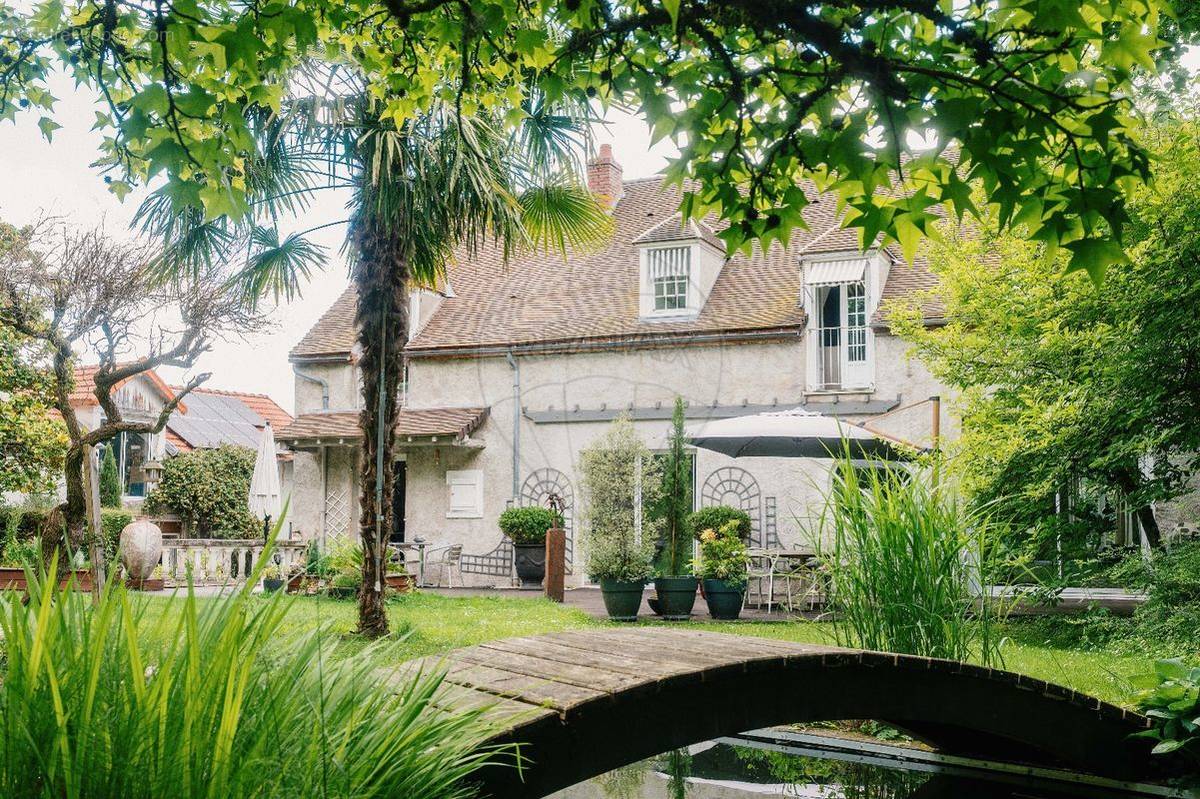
(204, 419)
(515, 367)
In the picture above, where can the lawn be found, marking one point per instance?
(427, 624)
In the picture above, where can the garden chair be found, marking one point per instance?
(760, 568)
(444, 564)
(803, 583)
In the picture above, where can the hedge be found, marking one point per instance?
(20, 526)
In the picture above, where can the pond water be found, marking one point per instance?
(728, 770)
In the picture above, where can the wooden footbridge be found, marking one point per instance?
(583, 702)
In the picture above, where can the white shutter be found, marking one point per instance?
(466, 494)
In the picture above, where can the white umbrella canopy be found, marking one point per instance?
(266, 500)
(793, 433)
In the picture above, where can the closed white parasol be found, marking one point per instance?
(793, 433)
(266, 498)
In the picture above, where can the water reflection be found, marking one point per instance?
(723, 771)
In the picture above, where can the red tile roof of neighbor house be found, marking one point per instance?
(545, 298)
(84, 393)
(416, 422)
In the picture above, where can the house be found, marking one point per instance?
(204, 419)
(513, 368)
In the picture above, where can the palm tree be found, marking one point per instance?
(433, 189)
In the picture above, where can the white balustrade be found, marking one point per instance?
(214, 561)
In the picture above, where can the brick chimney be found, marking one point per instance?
(604, 176)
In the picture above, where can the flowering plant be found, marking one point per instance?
(722, 555)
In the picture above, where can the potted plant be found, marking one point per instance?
(344, 585)
(674, 588)
(621, 482)
(397, 579)
(272, 577)
(721, 564)
(526, 528)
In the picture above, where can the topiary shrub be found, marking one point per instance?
(110, 481)
(209, 489)
(716, 517)
(527, 525)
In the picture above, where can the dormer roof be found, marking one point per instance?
(673, 229)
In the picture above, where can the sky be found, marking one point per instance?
(39, 178)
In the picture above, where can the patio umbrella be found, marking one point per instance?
(265, 493)
(793, 433)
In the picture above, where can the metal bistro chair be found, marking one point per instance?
(760, 567)
(445, 564)
(802, 580)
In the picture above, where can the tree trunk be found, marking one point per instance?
(380, 274)
(74, 516)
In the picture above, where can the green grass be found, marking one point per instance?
(429, 624)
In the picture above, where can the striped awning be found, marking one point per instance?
(829, 273)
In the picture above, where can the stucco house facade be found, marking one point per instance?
(515, 367)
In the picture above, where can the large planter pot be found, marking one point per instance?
(724, 600)
(141, 548)
(271, 586)
(530, 560)
(622, 599)
(399, 583)
(676, 596)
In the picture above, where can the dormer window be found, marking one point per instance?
(670, 271)
(679, 264)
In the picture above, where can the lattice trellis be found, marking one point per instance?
(737, 488)
(337, 512)
(537, 490)
(497, 563)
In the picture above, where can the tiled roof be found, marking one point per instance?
(333, 334)
(673, 229)
(83, 395)
(416, 422)
(544, 298)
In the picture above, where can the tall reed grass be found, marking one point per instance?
(98, 701)
(906, 565)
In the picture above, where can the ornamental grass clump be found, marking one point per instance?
(212, 700)
(905, 565)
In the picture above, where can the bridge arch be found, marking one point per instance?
(583, 702)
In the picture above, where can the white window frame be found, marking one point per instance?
(468, 482)
(660, 269)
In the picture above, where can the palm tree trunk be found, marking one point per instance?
(380, 274)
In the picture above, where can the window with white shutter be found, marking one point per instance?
(670, 271)
(466, 494)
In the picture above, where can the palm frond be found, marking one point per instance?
(277, 267)
(562, 215)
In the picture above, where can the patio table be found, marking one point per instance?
(418, 545)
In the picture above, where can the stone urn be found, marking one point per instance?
(141, 549)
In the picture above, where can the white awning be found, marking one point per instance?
(829, 273)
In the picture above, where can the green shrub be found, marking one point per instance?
(209, 489)
(614, 470)
(722, 555)
(527, 525)
(112, 522)
(904, 562)
(110, 481)
(102, 700)
(716, 517)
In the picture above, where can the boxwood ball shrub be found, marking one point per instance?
(527, 525)
(717, 517)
